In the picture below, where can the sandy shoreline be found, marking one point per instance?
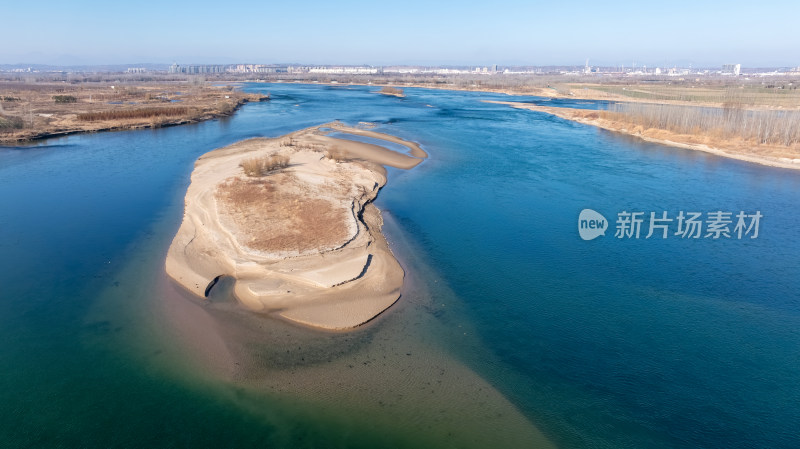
(585, 117)
(301, 242)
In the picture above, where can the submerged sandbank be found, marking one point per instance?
(303, 241)
(698, 143)
(399, 382)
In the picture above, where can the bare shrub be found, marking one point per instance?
(64, 99)
(337, 154)
(563, 90)
(227, 108)
(8, 123)
(260, 166)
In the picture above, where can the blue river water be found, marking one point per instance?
(659, 342)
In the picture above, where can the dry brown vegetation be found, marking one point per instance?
(776, 94)
(261, 166)
(762, 127)
(392, 91)
(337, 154)
(298, 145)
(129, 114)
(10, 123)
(284, 220)
(37, 105)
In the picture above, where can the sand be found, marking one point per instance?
(780, 157)
(399, 381)
(302, 242)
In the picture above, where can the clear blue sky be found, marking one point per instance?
(379, 32)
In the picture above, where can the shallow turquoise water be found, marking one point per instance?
(608, 343)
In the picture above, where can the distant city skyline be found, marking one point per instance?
(355, 32)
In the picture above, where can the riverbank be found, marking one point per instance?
(537, 92)
(770, 155)
(317, 257)
(30, 112)
(663, 93)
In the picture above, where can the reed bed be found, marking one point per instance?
(133, 114)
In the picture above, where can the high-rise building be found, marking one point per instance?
(732, 69)
(205, 68)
